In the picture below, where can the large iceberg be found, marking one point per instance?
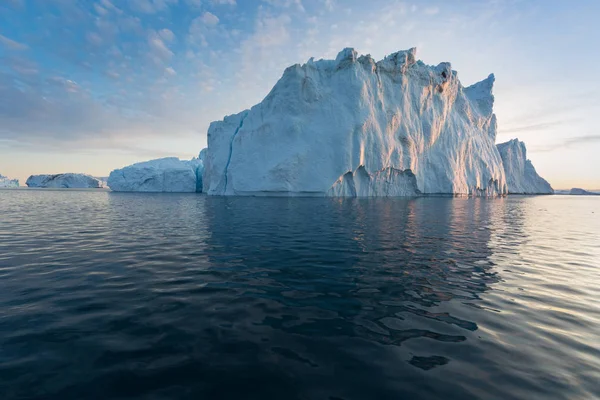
(521, 176)
(161, 175)
(356, 127)
(6, 182)
(68, 180)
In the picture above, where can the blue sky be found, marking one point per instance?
(93, 85)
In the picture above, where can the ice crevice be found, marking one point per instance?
(243, 117)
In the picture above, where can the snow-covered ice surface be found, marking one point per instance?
(68, 180)
(356, 127)
(6, 182)
(161, 175)
(521, 176)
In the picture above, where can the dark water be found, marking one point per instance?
(140, 296)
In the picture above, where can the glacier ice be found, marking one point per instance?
(68, 180)
(521, 176)
(102, 180)
(356, 127)
(161, 175)
(6, 182)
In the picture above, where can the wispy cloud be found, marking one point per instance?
(568, 143)
(12, 44)
(532, 127)
(151, 6)
(209, 19)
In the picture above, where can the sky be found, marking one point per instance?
(93, 85)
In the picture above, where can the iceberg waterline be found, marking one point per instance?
(67, 180)
(351, 126)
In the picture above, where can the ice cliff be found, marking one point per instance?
(354, 126)
(68, 180)
(162, 175)
(6, 182)
(521, 176)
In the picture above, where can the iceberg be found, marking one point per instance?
(354, 126)
(6, 182)
(102, 180)
(521, 176)
(582, 192)
(68, 180)
(161, 175)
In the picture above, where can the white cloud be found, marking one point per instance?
(22, 66)
(100, 10)
(67, 84)
(209, 19)
(220, 2)
(158, 47)
(11, 44)
(194, 3)
(112, 74)
(151, 6)
(170, 71)
(104, 7)
(166, 34)
(289, 3)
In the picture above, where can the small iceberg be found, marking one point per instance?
(68, 181)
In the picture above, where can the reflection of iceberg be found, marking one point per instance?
(381, 271)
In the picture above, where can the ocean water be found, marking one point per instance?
(171, 296)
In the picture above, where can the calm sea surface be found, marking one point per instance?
(168, 296)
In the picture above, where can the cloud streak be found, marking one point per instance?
(569, 143)
(532, 127)
(12, 44)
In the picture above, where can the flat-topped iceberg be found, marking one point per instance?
(356, 127)
(161, 175)
(6, 182)
(521, 176)
(68, 180)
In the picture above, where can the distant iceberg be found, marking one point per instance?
(6, 182)
(68, 180)
(582, 192)
(161, 175)
(354, 126)
(521, 176)
(102, 180)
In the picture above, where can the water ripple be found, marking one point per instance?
(112, 295)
